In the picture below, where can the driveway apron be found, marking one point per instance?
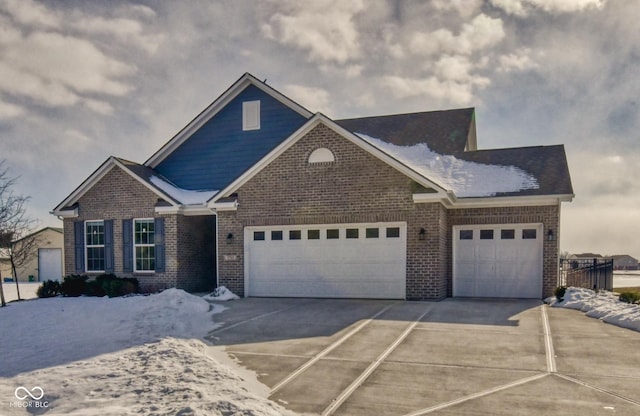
(458, 356)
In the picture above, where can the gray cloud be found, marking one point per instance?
(80, 81)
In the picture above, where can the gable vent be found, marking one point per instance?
(251, 115)
(321, 155)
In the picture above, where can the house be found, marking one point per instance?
(585, 256)
(624, 262)
(43, 257)
(262, 196)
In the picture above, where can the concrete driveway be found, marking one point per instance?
(469, 357)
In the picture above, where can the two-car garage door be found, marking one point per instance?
(369, 260)
(502, 261)
(366, 260)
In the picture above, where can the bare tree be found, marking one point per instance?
(15, 225)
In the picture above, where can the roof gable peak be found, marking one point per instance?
(215, 107)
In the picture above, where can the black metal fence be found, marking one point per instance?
(596, 274)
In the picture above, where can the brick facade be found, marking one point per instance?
(357, 188)
(189, 241)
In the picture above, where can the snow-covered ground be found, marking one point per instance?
(626, 279)
(27, 290)
(601, 305)
(121, 356)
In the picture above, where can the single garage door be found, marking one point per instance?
(328, 261)
(50, 264)
(503, 261)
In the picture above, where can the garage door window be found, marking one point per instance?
(529, 234)
(372, 233)
(393, 232)
(258, 236)
(353, 233)
(486, 234)
(466, 234)
(295, 234)
(313, 234)
(507, 234)
(333, 234)
(276, 235)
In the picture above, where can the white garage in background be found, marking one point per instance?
(49, 264)
(503, 261)
(328, 261)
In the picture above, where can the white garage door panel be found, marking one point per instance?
(359, 267)
(507, 264)
(50, 264)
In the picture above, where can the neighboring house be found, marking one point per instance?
(45, 259)
(585, 256)
(269, 199)
(624, 262)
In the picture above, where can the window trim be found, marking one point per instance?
(251, 115)
(87, 246)
(136, 245)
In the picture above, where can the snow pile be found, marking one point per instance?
(169, 377)
(184, 196)
(221, 293)
(464, 178)
(122, 356)
(602, 305)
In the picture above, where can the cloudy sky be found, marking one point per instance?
(82, 80)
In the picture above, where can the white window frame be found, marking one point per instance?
(136, 245)
(87, 246)
(251, 115)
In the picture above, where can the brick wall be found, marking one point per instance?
(356, 188)
(118, 196)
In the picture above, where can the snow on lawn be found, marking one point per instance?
(602, 305)
(626, 278)
(464, 178)
(27, 290)
(121, 356)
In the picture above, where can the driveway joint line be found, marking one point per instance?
(477, 395)
(548, 341)
(327, 350)
(463, 367)
(601, 390)
(342, 397)
(264, 315)
(266, 354)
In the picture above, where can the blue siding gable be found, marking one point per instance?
(220, 151)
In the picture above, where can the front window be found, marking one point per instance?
(144, 245)
(94, 245)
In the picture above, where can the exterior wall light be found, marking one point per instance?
(422, 234)
(550, 236)
(229, 238)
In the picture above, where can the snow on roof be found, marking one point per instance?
(183, 196)
(464, 178)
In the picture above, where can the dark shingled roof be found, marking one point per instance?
(447, 132)
(444, 132)
(548, 164)
(145, 173)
